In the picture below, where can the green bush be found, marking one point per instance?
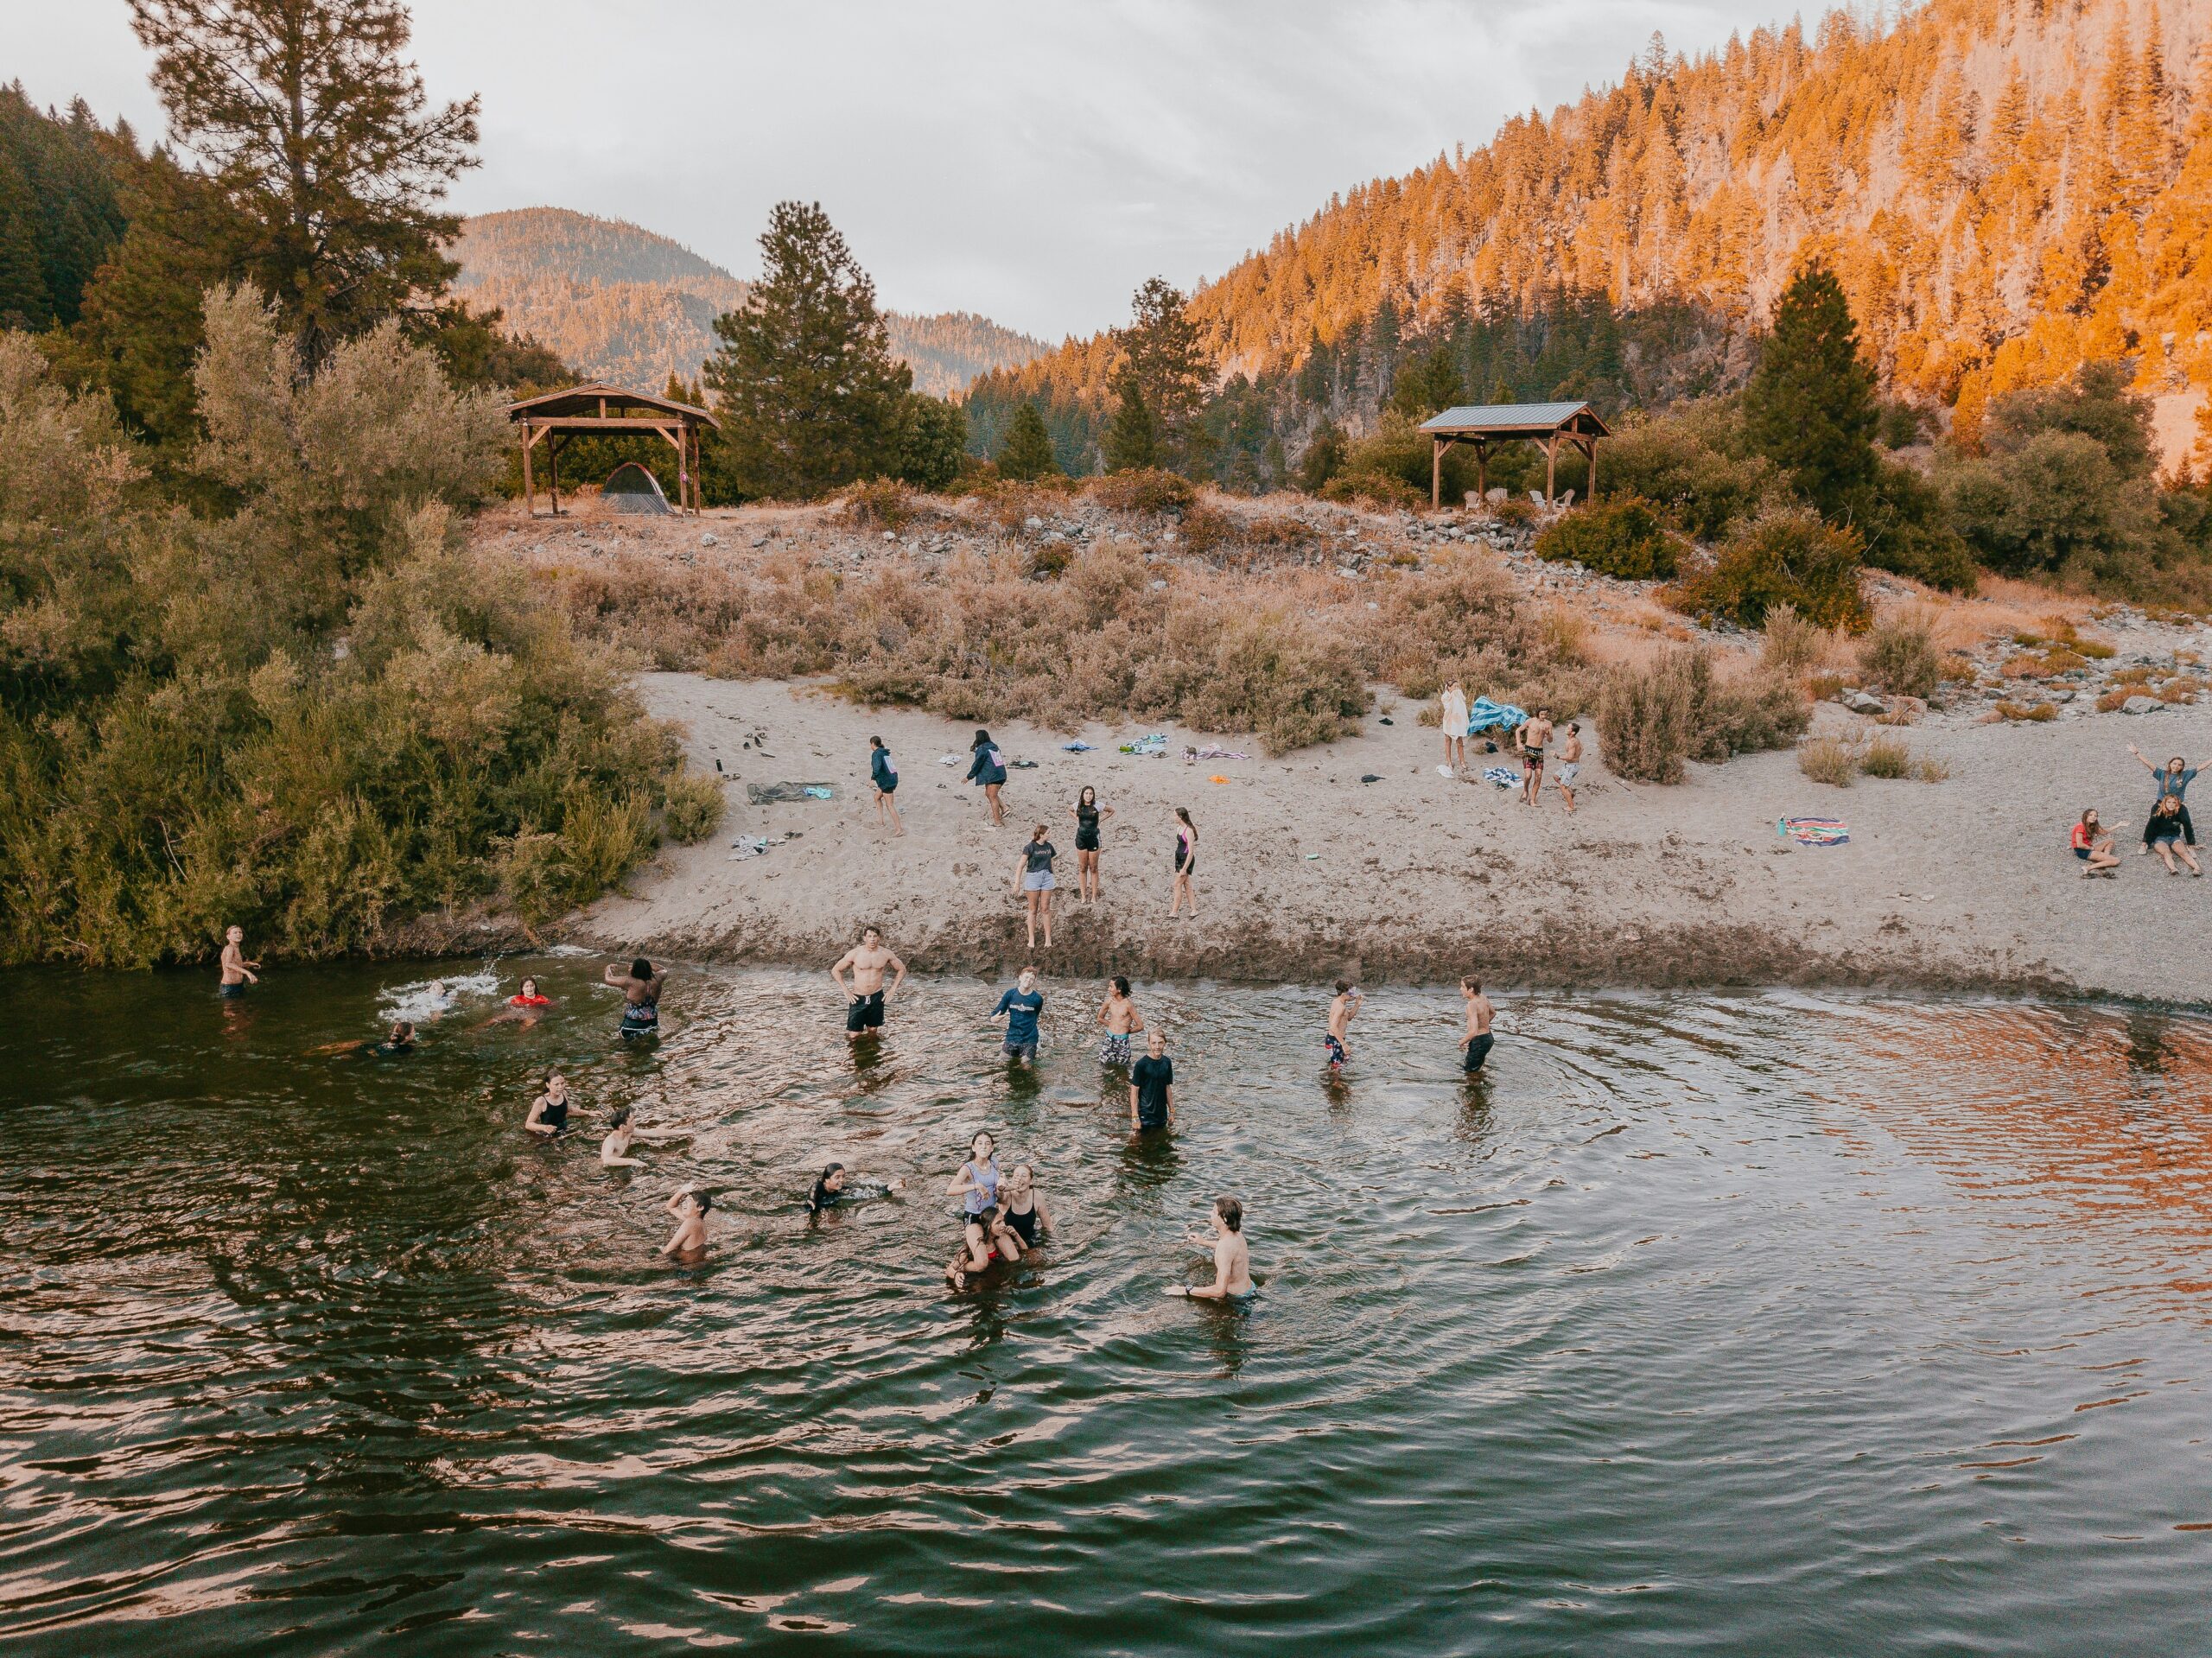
(1654, 718)
(691, 807)
(1688, 465)
(1885, 757)
(932, 442)
(1785, 556)
(1622, 537)
(1900, 657)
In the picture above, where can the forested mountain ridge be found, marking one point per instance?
(2005, 188)
(618, 301)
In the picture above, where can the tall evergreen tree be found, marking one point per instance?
(1168, 364)
(1132, 440)
(1811, 406)
(810, 396)
(23, 302)
(318, 133)
(1028, 452)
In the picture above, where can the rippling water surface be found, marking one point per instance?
(1776, 1324)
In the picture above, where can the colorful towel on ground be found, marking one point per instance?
(1486, 715)
(1152, 747)
(1813, 831)
(1505, 776)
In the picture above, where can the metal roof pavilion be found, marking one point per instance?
(1549, 424)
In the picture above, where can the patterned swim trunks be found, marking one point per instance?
(1113, 1050)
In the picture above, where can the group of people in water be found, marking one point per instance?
(2167, 831)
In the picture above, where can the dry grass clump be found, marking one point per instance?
(2040, 713)
(1652, 719)
(1885, 757)
(1793, 645)
(2182, 689)
(691, 806)
(1829, 760)
(2113, 702)
(881, 503)
(2095, 649)
(1148, 491)
(2137, 675)
(1929, 770)
(1899, 656)
(669, 616)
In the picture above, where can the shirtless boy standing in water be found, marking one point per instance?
(865, 996)
(688, 1245)
(1533, 736)
(238, 972)
(1232, 1260)
(1342, 1012)
(1120, 1016)
(1477, 1042)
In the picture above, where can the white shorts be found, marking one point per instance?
(1567, 774)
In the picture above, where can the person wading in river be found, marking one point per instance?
(640, 987)
(866, 996)
(1152, 1089)
(1232, 1259)
(1477, 1042)
(687, 1246)
(238, 972)
(1344, 1008)
(1118, 1013)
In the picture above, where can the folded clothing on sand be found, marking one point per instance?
(768, 794)
(1505, 776)
(1153, 745)
(1813, 831)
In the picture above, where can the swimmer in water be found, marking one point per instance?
(1022, 1214)
(1118, 1013)
(836, 1185)
(1232, 1260)
(977, 1187)
(691, 1207)
(400, 1039)
(548, 1112)
(238, 972)
(526, 1006)
(614, 1149)
(1342, 1011)
(640, 987)
(1477, 1042)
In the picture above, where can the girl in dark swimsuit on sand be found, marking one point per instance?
(1186, 863)
(1088, 815)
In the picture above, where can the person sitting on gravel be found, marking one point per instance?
(2163, 835)
(2173, 779)
(2093, 846)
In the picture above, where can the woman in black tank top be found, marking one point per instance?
(1088, 815)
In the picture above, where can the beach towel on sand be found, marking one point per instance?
(1813, 831)
(1505, 776)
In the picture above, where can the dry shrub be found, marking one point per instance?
(1049, 560)
(2137, 675)
(2039, 713)
(1829, 760)
(1149, 490)
(1207, 531)
(1885, 757)
(1011, 506)
(1513, 511)
(1958, 668)
(1926, 770)
(2024, 667)
(1821, 687)
(1793, 645)
(2180, 690)
(1379, 490)
(2113, 702)
(2060, 660)
(670, 616)
(691, 807)
(881, 503)
(1899, 657)
(2095, 649)
(1651, 719)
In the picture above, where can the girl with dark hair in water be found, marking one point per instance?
(1186, 862)
(1089, 815)
(640, 987)
(836, 1185)
(977, 1187)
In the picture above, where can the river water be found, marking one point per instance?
(1770, 1324)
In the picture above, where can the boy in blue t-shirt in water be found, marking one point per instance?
(1020, 1007)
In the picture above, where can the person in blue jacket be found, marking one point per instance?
(885, 776)
(987, 766)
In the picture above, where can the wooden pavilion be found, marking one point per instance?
(1482, 424)
(599, 409)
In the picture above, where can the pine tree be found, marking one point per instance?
(320, 134)
(1170, 371)
(1133, 435)
(1811, 406)
(810, 396)
(24, 300)
(1027, 451)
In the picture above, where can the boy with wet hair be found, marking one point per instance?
(1120, 1016)
(1477, 1042)
(1342, 1011)
(1232, 1259)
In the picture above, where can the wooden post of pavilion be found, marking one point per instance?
(529, 499)
(1551, 466)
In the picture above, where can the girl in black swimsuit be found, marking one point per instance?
(1186, 862)
(1088, 815)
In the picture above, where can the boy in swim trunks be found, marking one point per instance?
(1477, 1042)
(1342, 1011)
(1570, 763)
(238, 972)
(1232, 1259)
(1120, 1016)
(1533, 736)
(866, 996)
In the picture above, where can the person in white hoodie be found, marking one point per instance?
(1454, 709)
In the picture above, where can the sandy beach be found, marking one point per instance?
(1307, 871)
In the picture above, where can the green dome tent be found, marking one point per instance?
(631, 488)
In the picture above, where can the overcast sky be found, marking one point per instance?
(1032, 162)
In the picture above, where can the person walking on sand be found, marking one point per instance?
(1343, 1009)
(885, 776)
(1032, 874)
(238, 972)
(640, 987)
(2173, 779)
(1475, 1046)
(548, 1112)
(866, 996)
(688, 1245)
(1186, 864)
(1570, 763)
(1152, 1088)
(2093, 846)
(2163, 835)
(1088, 815)
(1120, 1016)
(1453, 718)
(1533, 735)
(1232, 1259)
(1019, 1008)
(986, 765)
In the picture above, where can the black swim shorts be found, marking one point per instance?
(1478, 1050)
(864, 1012)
